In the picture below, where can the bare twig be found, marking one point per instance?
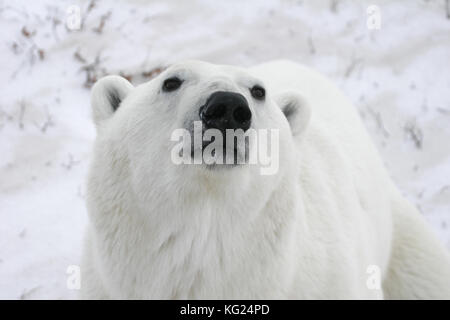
(33, 51)
(414, 133)
(312, 48)
(152, 73)
(48, 122)
(334, 5)
(379, 122)
(16, 48)
(89, 8)
(70, 163)
(447, 8)
(28, 34)
(55, 23)
(41, 54)
(23, 107)
(103, 20)
(354, 63)
(443, 111)
(93, 72)
(3, 118)
(77, 55)
(127, 76)
(27, 293)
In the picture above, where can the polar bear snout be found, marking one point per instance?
(226, 110)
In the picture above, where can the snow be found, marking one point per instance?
(397, 76)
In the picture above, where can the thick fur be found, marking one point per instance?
(158, 230)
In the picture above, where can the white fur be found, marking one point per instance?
(158, 230)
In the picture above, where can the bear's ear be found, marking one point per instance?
(296, 110)
(106, 96)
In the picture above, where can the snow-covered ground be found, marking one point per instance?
(397, 76)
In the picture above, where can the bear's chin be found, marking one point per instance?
(230, 158)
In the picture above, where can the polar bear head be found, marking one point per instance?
(150, 136)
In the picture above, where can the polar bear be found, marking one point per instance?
(328, 224)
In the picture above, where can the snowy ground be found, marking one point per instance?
(397, 76)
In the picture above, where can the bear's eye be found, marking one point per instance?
(258, 92)
(171, 84)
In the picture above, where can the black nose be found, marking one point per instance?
(226, 110)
